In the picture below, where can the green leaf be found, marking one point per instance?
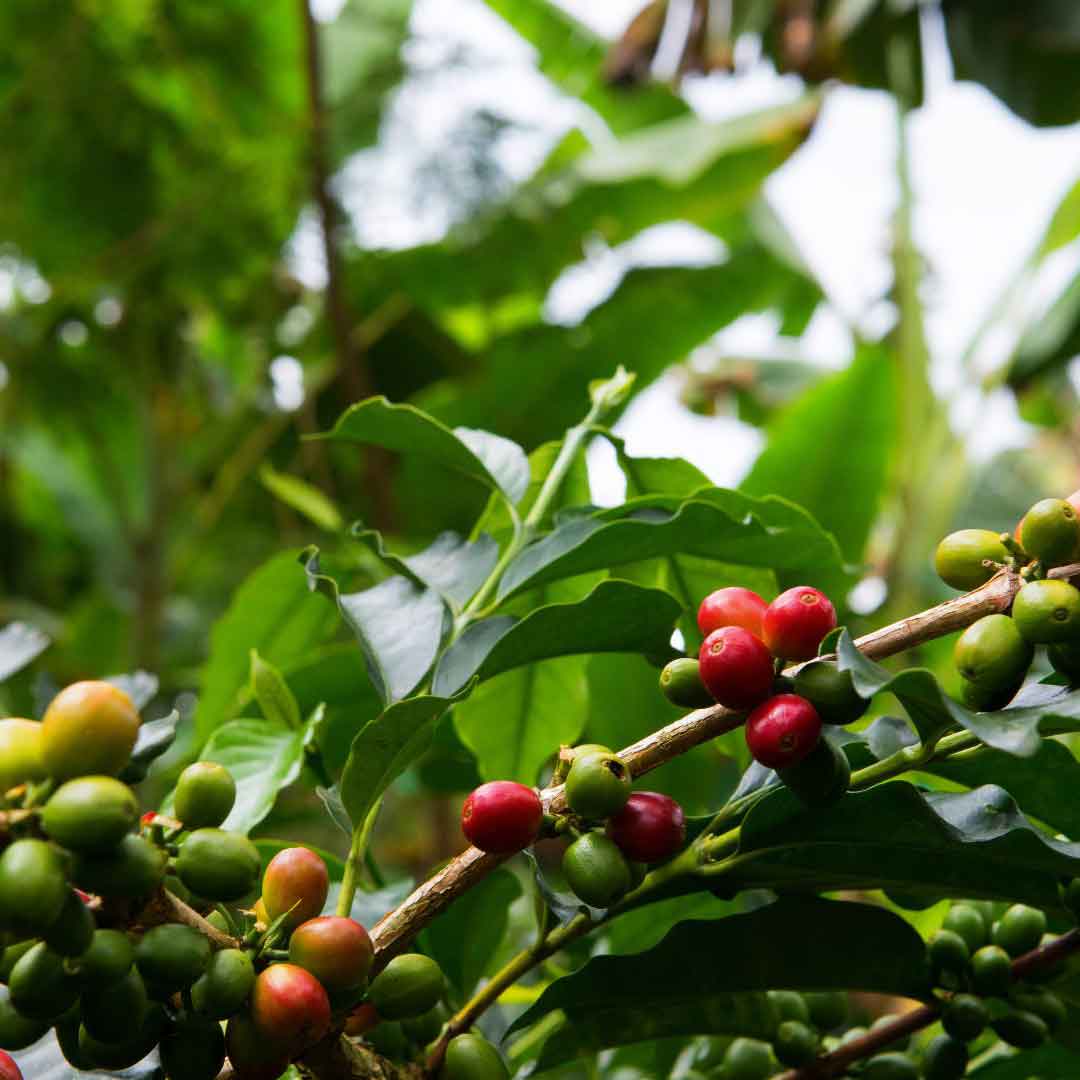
(384, 748)
(464, 939)
(20, 644)
(713, 523)
(975, 843)
(516, 721)
(489, 459)
(272, 692)
(271, 611)
(303, 497)
(1049, 1060)
(809, 456)
(616, 616)
(140, 686)
(1050, 340)
(398, 625)
(695, 980)
(264, 757)
(452, 566)
(154, 738)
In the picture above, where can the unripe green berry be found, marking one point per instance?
(945, 1058)
(968, 922)
(991, 971)
(1020, 929)
(795, 1043)
(597, 785)
(964, 1017)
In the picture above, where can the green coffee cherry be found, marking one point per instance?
(828, 1008)
(17, 1031)
(960, 556)
(830, 691)
(108, 958)
(20, 753)
(470, 1057)
(948, 953)
(409, 985)
(133, 869)
(597, 785)
(892, 1065)
(193, 1049)
(10, 955)
(122, 1055)
(426, 1027)
(596, 870)
(171, 957)
(968, 922)
(111, 1012)
(747, 1059)
(681, 684)
(795, 1043)
(821, 778)
(992, 652)
(388, 1039)
(980, 699)
(991, 971)
(91, 813)
(1020, 929)
(73, 930)
(205, 793)
(1043, 1003)
(67, 1038)
(218, 865)
(40, 985)
(1050, 532)
(945, 1058)
(789, 1005)
(964, 1017)
(1065, 657)
(1024, 1030)
(33, 888)
(225, 984)
(1047, 612)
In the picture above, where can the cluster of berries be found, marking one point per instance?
(617, 833)
(739, 666)
(994, 654)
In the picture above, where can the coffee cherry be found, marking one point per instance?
(1043, 1003)
(205, 793)
(91, 813)
(133, 869)
(32, 886)
(680, 683)
(796, 621)
(361, 1020)
(945, 1058)
(1065, 657)
(88, 728)
(948, 953)
(222, 865)
(171, 957)
(335, 949)
(821, 778)
(108, 958)
(960, 556)
(502, 816)
(789, 1005)
(991, 972)
(122, 1055)
(193, 1049)
(992, 653)
(251, 1054)
(20, 753)
(1050, 532)
(290, 1007)
(8, 1069)
(73, 930)
(1024, 1030)
(1047, 611)
(41, 987)
(597, 785)
(10, 956)
(892, 1065)
(471, 1057)
(736, 667)
(425, 1028)
(296, 882)
(409, 985)
(17, 1031)
(831, 692)
(225, 984)
(964, 1017)
(1020, 929)
(650, 828)
(733, 606)
(596, 870)
(747, 1059)
(980, 699)
(968, 922)
(110, 1013)
(795, 1043)
(782, 731)
(828, 1008)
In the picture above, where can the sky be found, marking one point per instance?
(985, 185)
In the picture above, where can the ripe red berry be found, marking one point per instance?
(289, 1007)
(335, 949)
(502, 816)
(649, 828)
(296, 881)
(8, 1069)
(735, 667)
(782, 730)
(733, 606)
(796, 621)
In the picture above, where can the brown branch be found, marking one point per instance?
(878, 1038)
(167, 908)
(397, 928)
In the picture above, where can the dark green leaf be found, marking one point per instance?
(20, 644)
(1051, 1060)
(616, 616)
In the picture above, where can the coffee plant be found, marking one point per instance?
(882, 894)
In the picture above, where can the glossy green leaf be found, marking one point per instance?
(272, 611)
(154, 738)
(516, 721)
(303, 497)
(694, 981)
(489, 459)
(399, 627)
(808, 457)
(20, 644)
(616, 616)
(973, 843)
(272, 693)
(464, 939)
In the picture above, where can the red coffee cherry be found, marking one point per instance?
(649, 828)
(362, 1019)
(796, 621)
(335, 949)
(8, 1069)
(502, 816)
(289, 1007)
(736, 668)
(782, 730)
(733, 606)
(295, 876)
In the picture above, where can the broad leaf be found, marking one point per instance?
(695, 980)
(140, 686)
(272, 693)
(489, 459)
(616, 616)
(303, 497)
(1049, 1060)
(154, 738)
(516, 721)
(272, 611)
(20, 644)
(399, 627)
